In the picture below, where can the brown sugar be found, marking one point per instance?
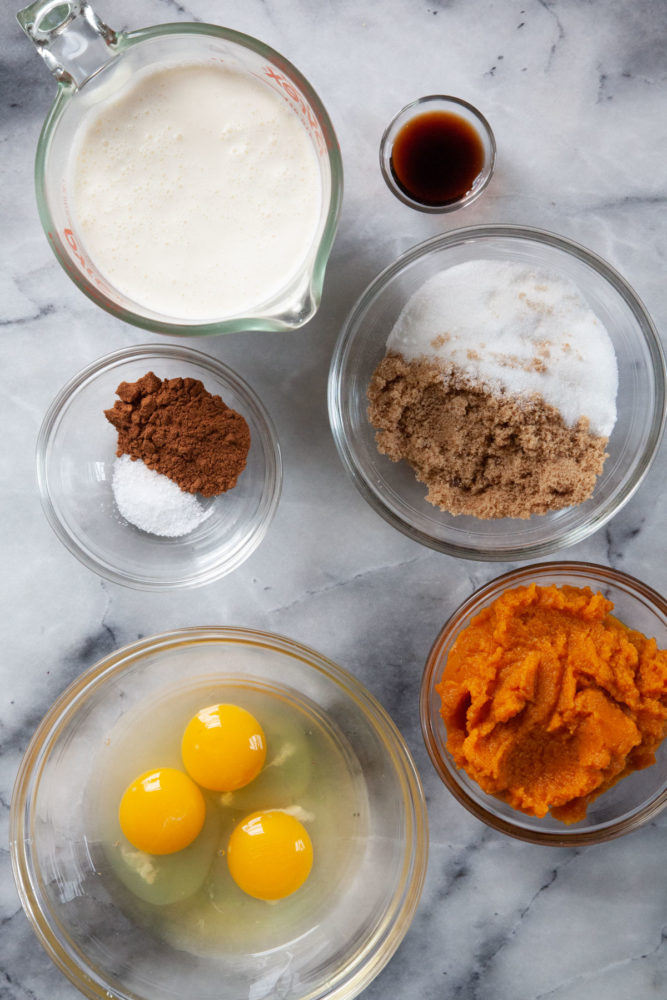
(487, 454)
(181, 430)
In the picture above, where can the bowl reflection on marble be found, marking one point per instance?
(636, 798)
(392, 489)
(329, 944)
(76, 450)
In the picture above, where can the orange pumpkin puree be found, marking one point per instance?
(549, 700)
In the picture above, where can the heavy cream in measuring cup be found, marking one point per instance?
(196, 191)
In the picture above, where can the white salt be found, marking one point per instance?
(152, 502)
(517, 330)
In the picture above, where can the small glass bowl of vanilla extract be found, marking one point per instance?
(437, 154)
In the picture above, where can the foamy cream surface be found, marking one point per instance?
(196, 191)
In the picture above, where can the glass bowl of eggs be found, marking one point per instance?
(218, 813)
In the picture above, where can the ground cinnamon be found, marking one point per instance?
(183, 431)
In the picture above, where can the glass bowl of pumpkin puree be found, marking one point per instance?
(544, 703)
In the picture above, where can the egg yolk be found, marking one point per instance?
(223, 747)
(162, 811)
(270, 854)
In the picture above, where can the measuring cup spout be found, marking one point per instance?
(72, 40)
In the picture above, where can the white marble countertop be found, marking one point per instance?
(577, 95)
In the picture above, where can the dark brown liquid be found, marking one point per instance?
(436, 157)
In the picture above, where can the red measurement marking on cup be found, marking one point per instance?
(74, 250)
(302, 108)
(102, 292)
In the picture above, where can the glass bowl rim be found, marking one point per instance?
(272, 476)
(474, 603)
(486, 172)
(236, 324)
(370, 960)
(472, 234)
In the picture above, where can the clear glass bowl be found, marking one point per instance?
(76, 450)
(347, 935)
(392, 488)
(91, 62)
(632, 802)
(451, 106)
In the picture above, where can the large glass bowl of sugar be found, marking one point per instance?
(392, 489)
(188, 177)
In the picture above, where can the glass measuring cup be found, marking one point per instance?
(91, 63)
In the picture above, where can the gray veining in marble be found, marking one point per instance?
(576, 91)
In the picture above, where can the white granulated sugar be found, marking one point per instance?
(152, 502)
(517, 330)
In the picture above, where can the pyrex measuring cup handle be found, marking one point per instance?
(69, 36)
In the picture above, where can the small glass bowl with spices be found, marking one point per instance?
(159, 468)
(544, 703)
(497, 393)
